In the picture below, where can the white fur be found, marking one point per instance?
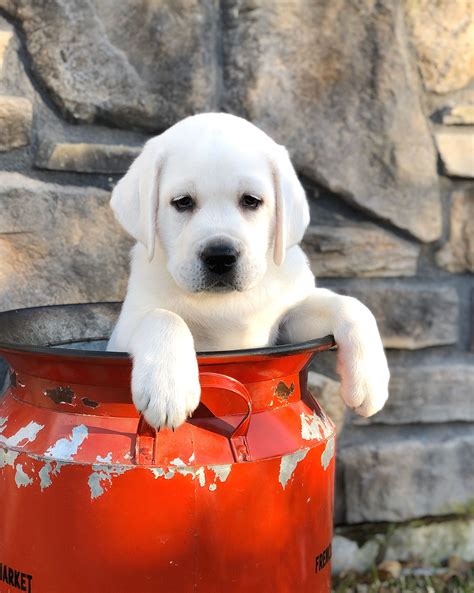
(168, 313)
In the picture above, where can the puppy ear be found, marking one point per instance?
(291, 206)
(135, 197)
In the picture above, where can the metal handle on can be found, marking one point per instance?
(145, 442)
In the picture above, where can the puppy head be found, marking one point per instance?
(219, 197)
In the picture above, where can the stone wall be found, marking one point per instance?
(375, 102)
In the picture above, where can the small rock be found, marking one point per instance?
(456, 149)
(458, 564)
(389, 569)
(16, 116)
(347, 555)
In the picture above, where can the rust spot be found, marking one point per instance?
(13, 379)
(61, 395)
(90, 403)
(283, 391)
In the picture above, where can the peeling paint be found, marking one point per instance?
(222, 471)
(27, 433)
(282, 391)
(191, 459)
(90, 403)
(288, 465)
(212, 487)
(22, 478)
(101, 477)
(328, 452)
(46, 472)
(170, 472)
(178, 462)
(3, 422)
(314, 427)
(8, 457)
(106, 459)
(64, 449)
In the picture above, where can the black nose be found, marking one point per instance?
(220, 258)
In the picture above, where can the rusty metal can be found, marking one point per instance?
(238, 499)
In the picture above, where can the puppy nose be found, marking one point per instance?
(220, 258)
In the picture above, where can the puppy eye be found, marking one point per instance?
(183, 203)
(250, 202)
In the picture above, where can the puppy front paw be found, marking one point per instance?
(362, 364)
(165, 378)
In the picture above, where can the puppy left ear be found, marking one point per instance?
(135, 197)
(291, 205)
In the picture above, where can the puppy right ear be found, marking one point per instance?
(135, 197)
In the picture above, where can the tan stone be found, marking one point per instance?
(456, 149)
(58, 244)
(443, 35)
(16, 116)
(362, 250)
(86, 157)
(461, 115)
(5, 38)
(458, 253)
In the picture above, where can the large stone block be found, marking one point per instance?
(334, 81)
(435, 392)
(456, 150)
(411, 316)
(458, 253)
(362, 250)
(16, 116)
(144, 64)
(402, 473)
(58, 245)
(442, 32)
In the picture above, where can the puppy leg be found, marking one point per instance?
(165, 377)
(361, 360)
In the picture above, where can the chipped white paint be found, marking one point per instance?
(27, 433)
(288, 465)
(8, 457)
(192, 458)
(21, 477)
(212, 487)
(178, 462)
(221, 471)
(64, 449)
(106, 459)
(101, 477)
(170, 472)
(313, 427)
(3, 423)
(47, 471)
(328, 452)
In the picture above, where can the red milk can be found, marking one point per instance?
(92, 500)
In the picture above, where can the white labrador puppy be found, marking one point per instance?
(217, 211)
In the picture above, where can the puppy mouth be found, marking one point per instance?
(220, 286)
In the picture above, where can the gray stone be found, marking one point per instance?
(458, 253)
(348, 555)
(432, 543)
(335, 83)
(411, 316)
(134, 64)
(402, 473)
(16, 116)
(326, 392)
(362, 250)
(58, 245)
(436, 392)
(456, 150)
(459, 115)
(442, 33)
(86, 157)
